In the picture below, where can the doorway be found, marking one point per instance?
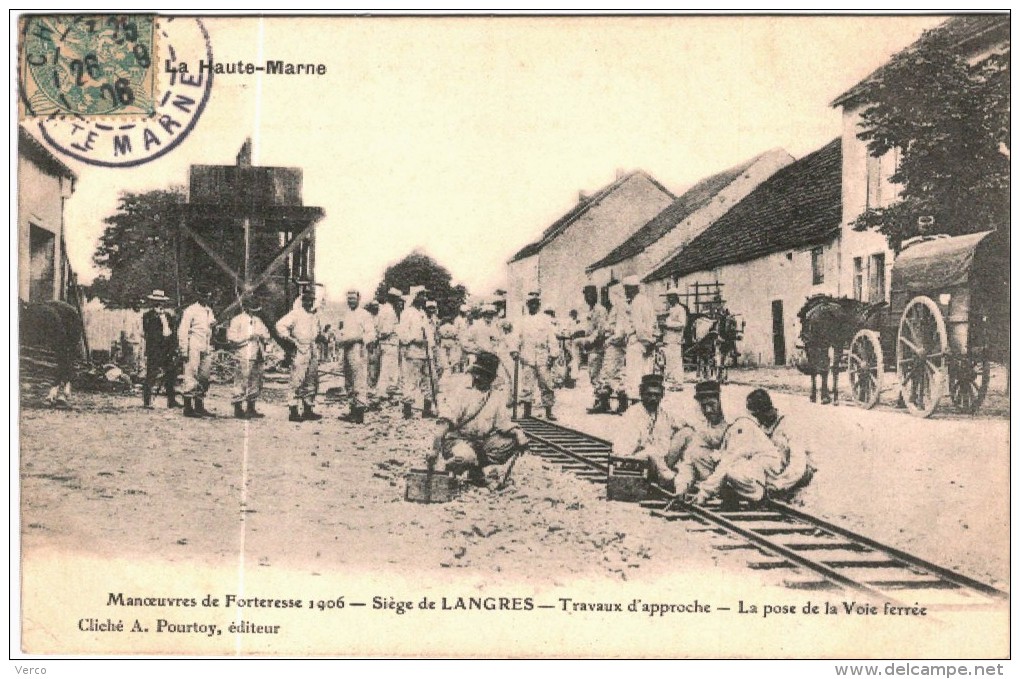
(778, 333)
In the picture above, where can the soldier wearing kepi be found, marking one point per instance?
(417, 343)
(641, 334)
(476, 437)
(302, 328)
(195, 342)
(537, 347)
(248, 336)
(595, 343)
(357, 333)
(673, 341)
(386, 322)
(158, 327)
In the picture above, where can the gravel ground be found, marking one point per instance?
(148, 497)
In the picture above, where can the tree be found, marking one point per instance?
(137, 248)
(420, 269)
(949, 119)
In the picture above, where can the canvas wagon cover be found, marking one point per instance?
(937, 264)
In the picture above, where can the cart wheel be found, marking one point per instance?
(224, 367)
(865, 367)
(968, 380)
(922, 353)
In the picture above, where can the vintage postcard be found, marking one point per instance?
(513, 336)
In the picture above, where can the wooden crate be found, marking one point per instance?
(435, 487)
(627, 480)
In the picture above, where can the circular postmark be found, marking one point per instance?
(85, 126)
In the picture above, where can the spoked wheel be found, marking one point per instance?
(922, 356)
(224, 366)
(865, 366)
(968, 380)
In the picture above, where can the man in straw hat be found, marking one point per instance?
(417, 341)
(302, 327)
(159, 331)
(248, 337)
(195, 342)
(476, 437)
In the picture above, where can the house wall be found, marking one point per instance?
(40, 204)
(562, 262)
(522, 278)
(750, 288)
(865, 185)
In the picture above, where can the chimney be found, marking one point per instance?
(581, 196)
(620, 172)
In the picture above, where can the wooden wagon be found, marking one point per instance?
(948, 317)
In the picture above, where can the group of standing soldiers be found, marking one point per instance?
(622, 341)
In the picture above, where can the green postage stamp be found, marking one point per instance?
(88, 65)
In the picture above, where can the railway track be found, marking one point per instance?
(812, 553)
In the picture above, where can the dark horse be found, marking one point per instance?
(830, 323)
(51, 338)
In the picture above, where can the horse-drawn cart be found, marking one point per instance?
(948, 317)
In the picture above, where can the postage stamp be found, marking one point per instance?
(107, 90)
(88, 66)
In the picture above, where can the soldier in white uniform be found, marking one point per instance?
(537, 347)
(594, 341)
(476, 437)
(650, 431)
(486, 334)
(248, 336)
(462, 326)
(703, 446)
(641, 334)
(760, 460)
(417, 343)
(195, 339)
(302, 328)
(389, 344)
(356, 333)
(673, 342)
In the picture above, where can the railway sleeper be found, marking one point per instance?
(770, 565)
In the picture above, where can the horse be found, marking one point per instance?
(51, 336)
(712, 339)
(830, 323)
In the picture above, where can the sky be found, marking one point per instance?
(466, 138)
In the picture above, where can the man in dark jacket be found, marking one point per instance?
(159, 327)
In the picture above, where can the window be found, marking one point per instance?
(874, 170)
(859, 278)
(876, 278)
(818, 265)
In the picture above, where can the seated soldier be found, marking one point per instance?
(651, 432)
(476, 438)
(759, 459)
(704, 439)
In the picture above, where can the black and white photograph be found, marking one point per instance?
(512, 336)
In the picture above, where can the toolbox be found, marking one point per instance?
(426, 486)
(628, 480)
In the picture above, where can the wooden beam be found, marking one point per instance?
(278, 260)
(212, 253)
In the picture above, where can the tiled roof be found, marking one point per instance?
(31, 148)
(683, 207)
(966, 32)
(561, 224)
(799, 205)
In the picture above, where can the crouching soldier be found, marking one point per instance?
(476, 437)
(759, 459)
